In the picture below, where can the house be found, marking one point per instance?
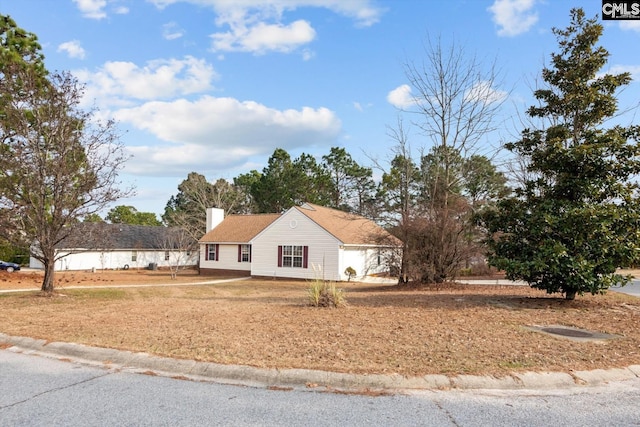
(121, 246)
(305, 242)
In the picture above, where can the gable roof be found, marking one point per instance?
(105, 236)
(239, 228)
(350, 229)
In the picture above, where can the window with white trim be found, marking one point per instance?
(293, 256)
(211, 252)
(245, 253)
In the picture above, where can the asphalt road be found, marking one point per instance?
(39, 391)
(632, 288)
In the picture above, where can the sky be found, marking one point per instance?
(215, 86)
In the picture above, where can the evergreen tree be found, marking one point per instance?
(575, 220)
(353, 186)
(123, 214)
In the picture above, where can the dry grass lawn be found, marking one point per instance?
(454, 329)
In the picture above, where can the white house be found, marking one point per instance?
(119, 246)
(305, 242)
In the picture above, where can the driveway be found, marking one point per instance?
(632, 288)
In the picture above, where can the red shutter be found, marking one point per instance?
(249, 253)
(217, 252)
(206, 252)
(305, 257)
(239, 253)
(279, 256)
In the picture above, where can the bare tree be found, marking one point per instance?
(181, 246)
(397, 193)
(188, 208)
(57, 165)
(455, 104)
(456, 97)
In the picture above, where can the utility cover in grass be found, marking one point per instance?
(571, 333)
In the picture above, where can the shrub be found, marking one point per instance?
(323, 294)
(350, 272)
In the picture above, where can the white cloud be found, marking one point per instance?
(178, 160)
(634, 70)
(364, 12)
(630, 25)
(117, 82)
(93, 9)
(360, 107)
(73, 49)
(483, 92)
(259, 26)
(217, 133)
(401, 97)
(264, 37)
(172, 31)
(513, 17)
(308, 54)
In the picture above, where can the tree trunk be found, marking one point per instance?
(47, 283)
(404, 262)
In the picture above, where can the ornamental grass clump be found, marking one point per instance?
(325, 294)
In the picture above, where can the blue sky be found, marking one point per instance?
(215, 86)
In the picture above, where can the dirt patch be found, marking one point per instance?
(449, 329)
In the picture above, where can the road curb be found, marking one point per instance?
(306, 378)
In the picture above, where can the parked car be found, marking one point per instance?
(9, 266)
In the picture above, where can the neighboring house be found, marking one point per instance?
(103, 246)
(305, 242)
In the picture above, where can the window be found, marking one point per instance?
(166, 255)
(244, 253)
(212, 252)
(293, 256)
(134, 256)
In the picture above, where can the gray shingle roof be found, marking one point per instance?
(116, 236)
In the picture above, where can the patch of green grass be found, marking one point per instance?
(101, 293)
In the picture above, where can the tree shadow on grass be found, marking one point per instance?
(456, 295)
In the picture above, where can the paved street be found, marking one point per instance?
(633, 288)
(39, 391)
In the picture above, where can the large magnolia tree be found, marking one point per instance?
(576, 217)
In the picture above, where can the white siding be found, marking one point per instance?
(112, 260)
(294, 228)
(227, 259)
(364, 260)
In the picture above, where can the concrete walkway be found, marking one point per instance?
(137, 285)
